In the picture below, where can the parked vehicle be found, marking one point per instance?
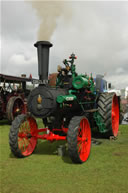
(13, 96)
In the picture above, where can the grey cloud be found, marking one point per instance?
(18, 22)
(97, 33)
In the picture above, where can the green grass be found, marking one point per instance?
(106, 170)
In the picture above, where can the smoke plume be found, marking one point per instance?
(49, 12)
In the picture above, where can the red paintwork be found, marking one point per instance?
(115, 116)
(65, 130)
(84, 140)
(51, 137)
(26, 136)
(29, 133)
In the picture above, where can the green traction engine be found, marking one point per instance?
(70, 110)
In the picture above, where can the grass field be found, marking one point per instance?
(106, 170)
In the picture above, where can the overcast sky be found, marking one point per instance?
(96, 31)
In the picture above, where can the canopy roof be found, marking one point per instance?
(14, 79)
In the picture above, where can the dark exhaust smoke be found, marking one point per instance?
(43, 59)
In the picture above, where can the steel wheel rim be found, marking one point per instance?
(84, 140)
(27, 136)
(115, 115)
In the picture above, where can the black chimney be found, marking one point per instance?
(43, 59)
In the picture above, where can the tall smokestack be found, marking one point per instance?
(43, 59)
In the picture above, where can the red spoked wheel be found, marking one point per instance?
(84, 139)
(15, 106)
(22, 137)
(115, 115)
(79, 139)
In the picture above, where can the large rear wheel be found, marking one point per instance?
(109, 110)
(79, 139)
(15, 106)
(22, 136)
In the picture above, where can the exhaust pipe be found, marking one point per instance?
(43, 60)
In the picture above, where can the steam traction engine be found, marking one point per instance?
(12, 99)
(69, 110)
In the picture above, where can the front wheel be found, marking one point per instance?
(79, 139)
(22, 136)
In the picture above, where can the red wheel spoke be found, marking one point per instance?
(24, 144)
(80, 148)
(84, 128)
(79, 142)
(22, 135)
(79, 139)
(21, 145)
